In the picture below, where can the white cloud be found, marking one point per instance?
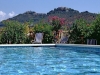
(11, 14)
(4, 16)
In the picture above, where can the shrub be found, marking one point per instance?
(13, 32)
(46, 29)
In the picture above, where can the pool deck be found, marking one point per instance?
(45, 45)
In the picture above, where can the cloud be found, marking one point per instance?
(4, 16)
(11, 14)
(2, 13)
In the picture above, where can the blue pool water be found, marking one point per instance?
(49, 61)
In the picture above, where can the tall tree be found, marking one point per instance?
(96, 29)
(56, 22)
(13, 32)
(80, 31)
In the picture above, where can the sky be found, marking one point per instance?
(11, 8)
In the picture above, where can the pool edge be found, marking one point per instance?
(43, 45)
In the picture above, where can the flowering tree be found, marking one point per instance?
(56, 22)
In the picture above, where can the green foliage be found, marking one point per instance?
(47, 38)
(80, 31)
(46, 29)
(96, 29)
(13, 32)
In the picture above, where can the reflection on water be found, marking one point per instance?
(38, 49)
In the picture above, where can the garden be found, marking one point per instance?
(15, 32)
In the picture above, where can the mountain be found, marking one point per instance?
(70, 14)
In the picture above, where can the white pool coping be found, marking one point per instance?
(26, 45)
(79, 45)
(45, 45)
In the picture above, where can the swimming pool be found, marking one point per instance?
(68, 60)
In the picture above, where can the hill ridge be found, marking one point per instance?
(70, 14)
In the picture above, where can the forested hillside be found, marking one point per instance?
(69, 14)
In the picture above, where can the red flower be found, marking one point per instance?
(56, 18)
